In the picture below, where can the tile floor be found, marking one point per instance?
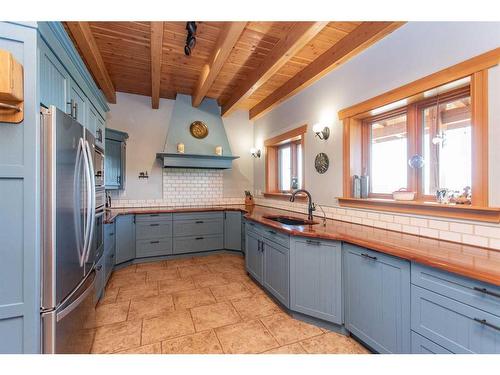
(201, 305)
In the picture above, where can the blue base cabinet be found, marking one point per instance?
(254, 259)
(377, 299)
(316, 279)
(277, 271)
(421, 345)
(232, 230)
(125, 238)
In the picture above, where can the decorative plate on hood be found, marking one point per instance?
(198, 129)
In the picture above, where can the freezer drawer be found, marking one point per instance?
(70, 328)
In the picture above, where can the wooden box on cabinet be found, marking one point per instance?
(11, 88)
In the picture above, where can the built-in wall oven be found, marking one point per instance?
(100, 202)
(99, 167)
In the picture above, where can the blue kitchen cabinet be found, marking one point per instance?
(100, 131)
(197, 232)
(115, 159)
(78, 104)
(377, 299)
(232, 230)
(254, 260)
(276, 270)
(109, 249)
(316, 279)
(91, 118)
(421, 345)
(100, 278)
(54, 79)
(125, 238)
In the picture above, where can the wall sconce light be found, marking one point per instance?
(255, 152)
(143, 174)
(322, 132)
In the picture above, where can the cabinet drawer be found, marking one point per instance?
(474, 293)
(457, 327)
(422, 345)
(156, 247)
(280, 238)
(199, 243)
(146, 230)
(199, 215)
(198, 227)
(152, 217)
(254, 228)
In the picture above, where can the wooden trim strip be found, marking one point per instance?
(85, 40)
(156, 52)
(455, 72)
(296, 38)
(463, 212)
(286, 136)
(228, 37)
(353, 43)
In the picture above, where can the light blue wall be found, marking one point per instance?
(184, 114)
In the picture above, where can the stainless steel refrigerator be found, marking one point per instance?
(68, 214)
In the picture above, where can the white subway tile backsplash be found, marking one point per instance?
(429, 232)
(450, 236)
(438, 224)
(461, 228)
(487, 231)
(418, 222)
(405, 220)
(475, 240)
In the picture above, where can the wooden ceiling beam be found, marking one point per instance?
(228, 37)
(297, 37)
(83, 37)
(156, 45)
(356, 41)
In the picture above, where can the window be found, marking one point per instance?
(284, 162)
(438, 129)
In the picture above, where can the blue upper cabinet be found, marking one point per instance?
(77, 105)
(54, 79)
(377, 298)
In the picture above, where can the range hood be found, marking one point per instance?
(200, 153)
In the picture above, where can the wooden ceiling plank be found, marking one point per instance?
(297, 37)
(359, 39)
(156, 44)
(87, 45)
(228, 37)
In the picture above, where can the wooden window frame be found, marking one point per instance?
(272, 146)
(352, 118)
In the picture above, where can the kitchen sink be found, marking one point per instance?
(290, 220)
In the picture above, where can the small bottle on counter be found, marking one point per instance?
(364, 186)
(356, 187)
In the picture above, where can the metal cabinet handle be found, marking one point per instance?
(198, 238)
(312, 242)
(99, 267)
(251, 224)
(486, 323)
(486, 291)
(153, 215)
(112, 256)
(368, 256)
(118, 179)
(76, 110)
(111, 234)
(154, 242)
(154, 225)
(272, 231)
(199, 222)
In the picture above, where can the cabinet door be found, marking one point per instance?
(91, 118)
(421, 345)
(100, 131)
(125, 238)
(77, 97)
(253, 258)
(316, 279)
(232, 230)
(377, 297)
(54, 80)
(112, 163)
(109, 248)
(100, 278)
(276, 271)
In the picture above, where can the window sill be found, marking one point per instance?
(454, 211)
(284, 196)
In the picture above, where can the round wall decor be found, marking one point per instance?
(198, 129)
(321, 163)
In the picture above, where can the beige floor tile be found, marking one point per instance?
(169, 325)
(146, 349)
(213, 316)
(230, 291)
(111, 313)
(224, 267)
(128, 269)
(142, 290)
(232, 258)
(240, 277)
(151, 266)
(162, 274)
(125, 279)
(247, 337)
(150, 307)
(209, 279)
(333, 343)
(118, 336)
(288, 330)
(206, 259)
(255, 307)
(108, 296)
(191, 298)
(198, 269)
(198, 343)
(287, 349)
(177, 285)
(181, 262)
(253, 287)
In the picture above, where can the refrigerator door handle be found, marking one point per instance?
(86, 243)
(61, 314)
(76, 199)
(92, 205)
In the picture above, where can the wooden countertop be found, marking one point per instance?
(475, 262)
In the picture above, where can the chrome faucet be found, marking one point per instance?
(311, 207)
